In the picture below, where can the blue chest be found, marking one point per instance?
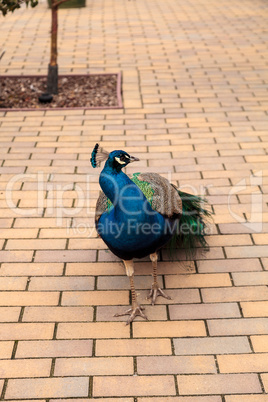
(131, 228)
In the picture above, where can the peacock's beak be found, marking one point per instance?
(133, 159)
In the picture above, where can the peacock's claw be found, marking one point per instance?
(133, 312)
(155, 292)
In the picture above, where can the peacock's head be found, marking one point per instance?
(117, 159)
(121, 159)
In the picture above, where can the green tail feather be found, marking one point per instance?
(192, 225)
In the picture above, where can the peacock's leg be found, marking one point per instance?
(155, 289)
(136, 309)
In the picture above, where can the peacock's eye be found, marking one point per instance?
(122, 158)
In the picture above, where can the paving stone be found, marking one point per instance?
(9, 314)
(17, 368)
(243, 326)
(130, 347)
(29, 298)
(198, 280)
(95, 298)
(47, 387)
(6, 348)
(175, 365)
(54, 348)
(57, 314)
(255, 309)
(182, 399)
(230, 265)
(170, 329)
(94, 366)
(244, 363)
(33, 269)
(62, 283)
(212, 345)
(260, 343)
(249, 398)
(218, 384)
(245, 279)
(25, 331)
(92, 330)
(143, 385)
(243, 293)
(264, 378)
(204, 311)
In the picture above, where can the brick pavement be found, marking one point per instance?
(195, 110)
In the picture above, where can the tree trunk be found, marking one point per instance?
(52, 78)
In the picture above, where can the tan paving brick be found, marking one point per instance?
(249, 398)
(182, 399)
(143, 385)
(6, 348)
(96, 399)
(13, 283)
(29, 298)
(264, 378)
(54, 348)
(130, 347)
(47, 388)
(204, 311)
(16, 256)
(245, 326)
(243, 293)
(95, 268)
(244, 363)
(211, 345)
(176, 365)
(57, 314)
(170, 329)
(25, 368)
(26, 331)
(65, 256)
(256, 278)
(62, 283)
(92, 330)
(17, 233)
(9, 314)
(230, 265)
(197, 280)
(260, 343)
(255, 309)
(260, 238)
(218, 384)
(35, 244)
(94, 366)
(95, 298)
(245, 252)
(33, 269)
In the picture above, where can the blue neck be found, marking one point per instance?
(123, 193)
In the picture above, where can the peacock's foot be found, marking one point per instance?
(155, 292)
(134, 311)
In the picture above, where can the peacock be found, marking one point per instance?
(136, 216)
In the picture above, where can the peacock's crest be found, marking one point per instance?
(98, 155)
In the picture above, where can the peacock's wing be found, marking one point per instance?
(162, 196)
(160, 193)
(103, 205)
